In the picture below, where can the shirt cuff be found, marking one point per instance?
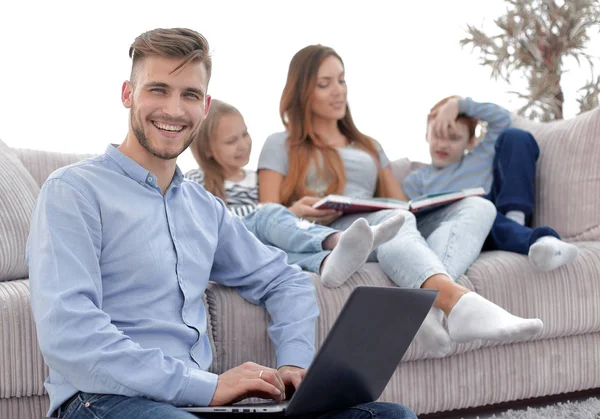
(200, 388)
(295, 356)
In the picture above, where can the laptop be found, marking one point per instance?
(359, 354)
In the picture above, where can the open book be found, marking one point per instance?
(419, 204)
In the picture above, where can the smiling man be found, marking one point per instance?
(121, 250)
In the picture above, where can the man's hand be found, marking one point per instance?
(292, 377)
(302, 208)
(248, 380)
(445, 118)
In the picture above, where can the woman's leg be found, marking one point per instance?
(409, 262)
(456, 232)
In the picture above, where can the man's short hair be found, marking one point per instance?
(181, 43)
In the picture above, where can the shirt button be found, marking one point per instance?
(150, 179)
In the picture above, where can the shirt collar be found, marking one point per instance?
(137, 172)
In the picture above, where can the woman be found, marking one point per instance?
(322, 152)
(222, 150)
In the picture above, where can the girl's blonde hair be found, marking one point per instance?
(202, 146)
(304, 145)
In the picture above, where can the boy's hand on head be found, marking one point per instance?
(445, 118)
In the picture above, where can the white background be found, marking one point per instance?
(62, 64)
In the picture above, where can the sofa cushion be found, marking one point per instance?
(568, 175)
(18, 192)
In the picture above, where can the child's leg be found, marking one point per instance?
(513, 188)
(541, 244)
(275, 225)
(303, 241)
(548, 252)
(508, 235)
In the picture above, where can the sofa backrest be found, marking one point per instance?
(42, 163)
(18, 192)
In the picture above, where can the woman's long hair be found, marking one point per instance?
(304, 145)
(214, 175)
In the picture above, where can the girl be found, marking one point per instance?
(222, 150)
(503, 163)
(322, 152)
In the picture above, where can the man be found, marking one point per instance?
(120, 252)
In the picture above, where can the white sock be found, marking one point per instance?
(517, 216)
(387, 230)
(350, 253)
(473, 317)
(432, 336)
(549, 253)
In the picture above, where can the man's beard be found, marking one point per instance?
(139, 133)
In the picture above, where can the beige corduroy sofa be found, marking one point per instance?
(564, 358)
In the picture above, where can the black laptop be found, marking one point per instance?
(357, 358)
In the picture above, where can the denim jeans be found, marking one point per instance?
(444, 241)
(275, 225)
(109, 406)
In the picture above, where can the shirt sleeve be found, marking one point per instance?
(496, 117)
(75, 335)
(261, 276)
(383, 158)
(274, 154)
(412, 185)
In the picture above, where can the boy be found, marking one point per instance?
(503, 163)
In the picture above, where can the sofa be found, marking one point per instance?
(563, 358)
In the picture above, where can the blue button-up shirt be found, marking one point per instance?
(118, 272)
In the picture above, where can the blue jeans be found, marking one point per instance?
(109, 406)
(513, 189)
(444, 241)
(275, 225)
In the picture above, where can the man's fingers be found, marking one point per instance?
(262, 386)
(296, 380)
(272, 377)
